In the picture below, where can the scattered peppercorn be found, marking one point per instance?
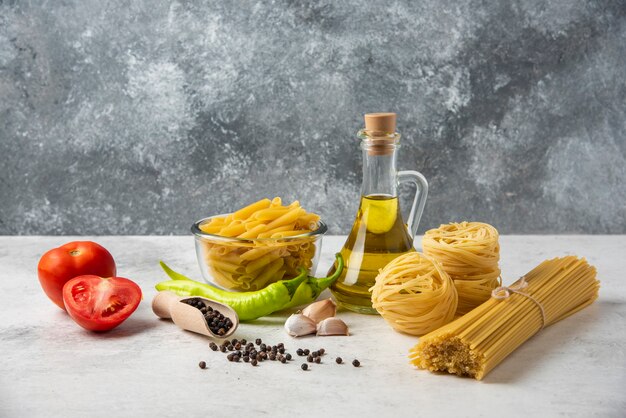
(202, 365)
(213, 346)
(253, 362)
(299, 352)
(338, 360)
(246, 359)
(230, 357)
(283, 360)
(304, 366)
(318, 360)
(309, 359)
(321, 351)
(288, 356)
(306, 351)
(258, 341)
(356, 363)
(236, 358)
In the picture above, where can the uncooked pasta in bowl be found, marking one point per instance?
(257, 245)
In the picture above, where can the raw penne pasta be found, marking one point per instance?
(268, 234)
(269, 246)
(259, 263)
(270, 214)
(233, 230)
(245, 213)
(270, 270)
(283, 234)
(287, 218)
(255, 253)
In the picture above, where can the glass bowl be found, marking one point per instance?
(247, 264)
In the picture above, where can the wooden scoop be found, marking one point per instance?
(168, 304)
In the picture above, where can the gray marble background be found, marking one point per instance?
(138, 117)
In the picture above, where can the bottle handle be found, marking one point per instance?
(419, 201)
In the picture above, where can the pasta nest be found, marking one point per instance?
(414, 294)
(469, 252)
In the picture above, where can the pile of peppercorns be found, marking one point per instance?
(257, 351)
(217, 322)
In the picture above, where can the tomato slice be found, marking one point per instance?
(98, 303)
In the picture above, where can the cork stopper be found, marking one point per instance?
(380, 122)
(381, 129)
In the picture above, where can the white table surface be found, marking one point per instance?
(50, 367)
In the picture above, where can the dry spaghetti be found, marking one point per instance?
(469, 252)
(477, 342)
(414, 294)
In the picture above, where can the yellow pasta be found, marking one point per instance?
(474, 344)
(414, 294)
(274, 251)
(245, 213)
(469, 252)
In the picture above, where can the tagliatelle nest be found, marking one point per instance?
(414, 294)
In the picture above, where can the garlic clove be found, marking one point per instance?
(298, 325)
(332, 326)
(318, 311)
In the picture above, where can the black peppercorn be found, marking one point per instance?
(304, 366)
(253, 362)
(338, 360)
(321, 351)
(202, 365)
(309, 359)
(230, 357)
(299, 352)
(283, 360)
(356, 363)
(318, 360)
(246, 359)
(306, 351)
(213, 346)
(258, 341)
(236, 358)
(288, 356)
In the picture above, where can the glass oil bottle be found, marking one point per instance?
(378, 234)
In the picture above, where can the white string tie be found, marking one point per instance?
(503, 292)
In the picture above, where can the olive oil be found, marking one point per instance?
(378, 234)
(377, 237)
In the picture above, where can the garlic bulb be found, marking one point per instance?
(332, 326)
(298, 325)
(318, 311)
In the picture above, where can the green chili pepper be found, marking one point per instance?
(283, 294)
(310, 289)
(248, 305)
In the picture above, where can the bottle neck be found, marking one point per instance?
(379, 163)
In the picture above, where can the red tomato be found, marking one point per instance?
(100, 303)
(77, 258)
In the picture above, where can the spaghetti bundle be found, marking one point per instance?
(273, 243)
(477, 342)
(469, 252)
(414, 294)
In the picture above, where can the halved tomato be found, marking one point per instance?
(100, 303)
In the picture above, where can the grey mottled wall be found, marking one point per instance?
(138, 117)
